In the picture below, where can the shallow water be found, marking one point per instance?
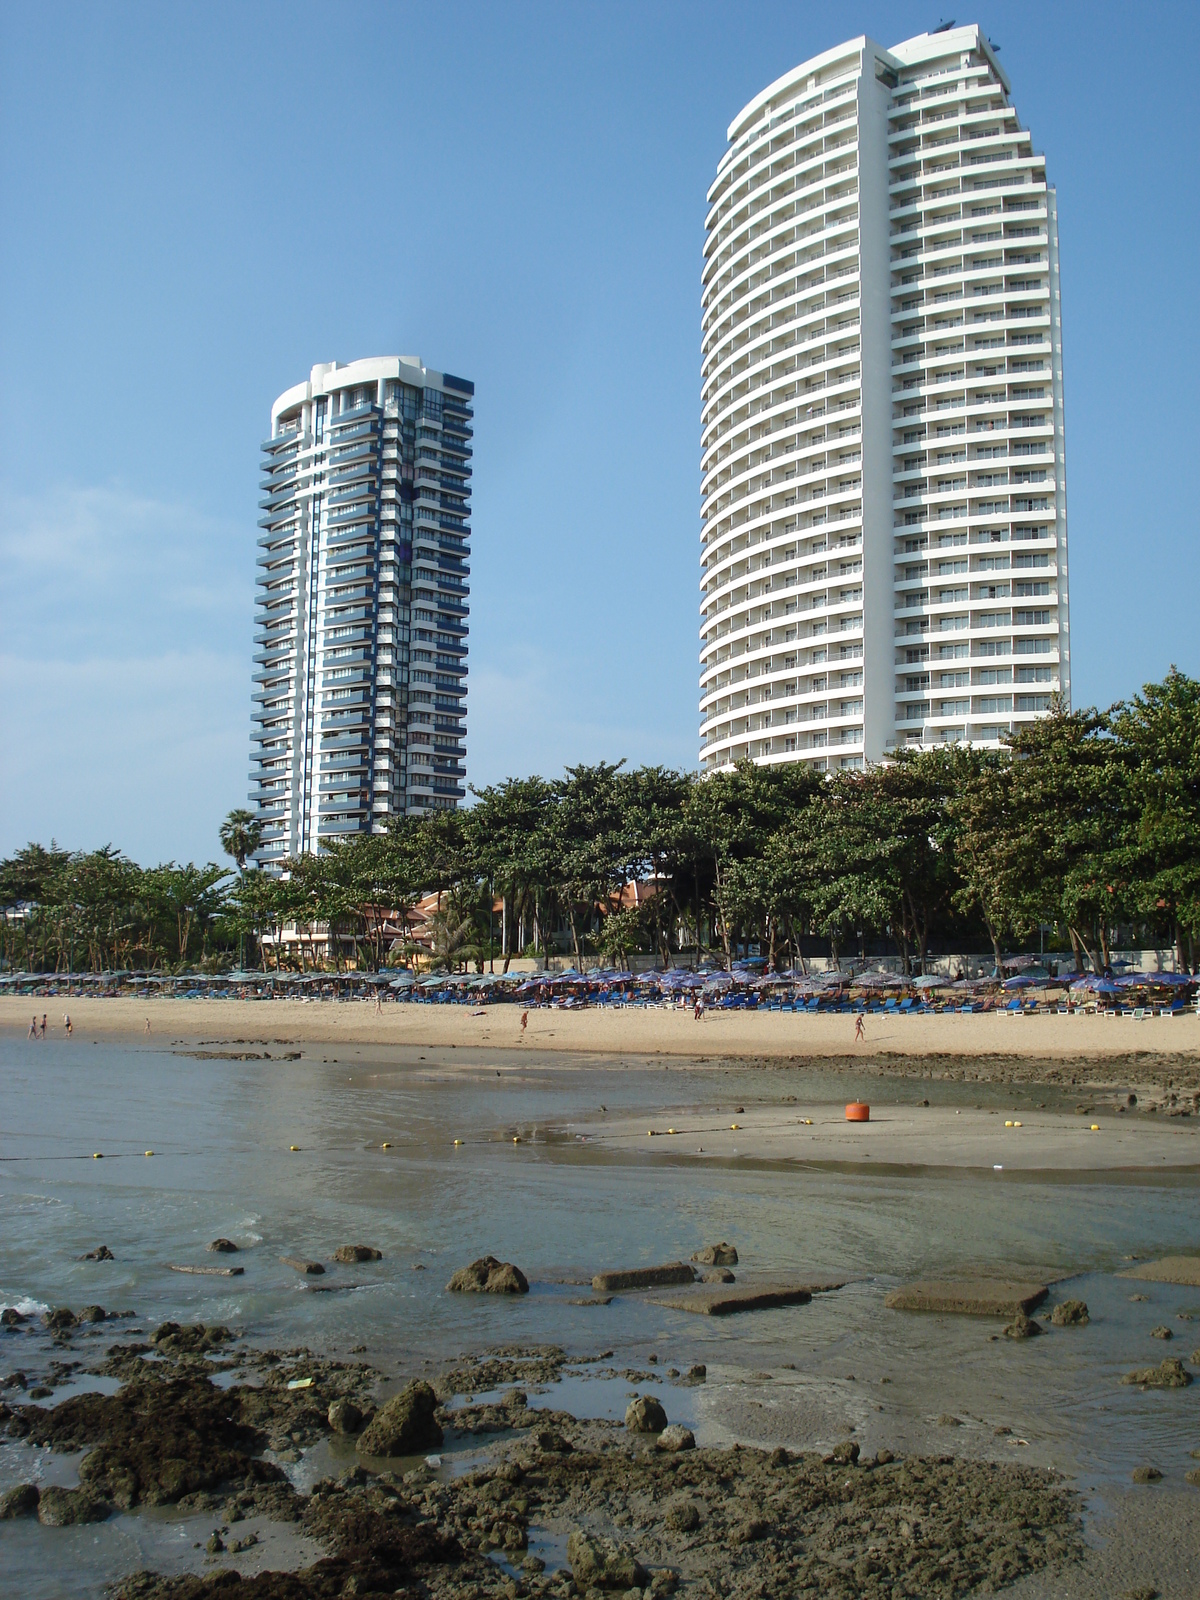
(562, 1209)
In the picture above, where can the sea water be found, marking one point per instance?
(563, 1207)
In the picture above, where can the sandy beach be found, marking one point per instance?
(1096, 1047)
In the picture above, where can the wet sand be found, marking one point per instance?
(762, 1036)
(1099, 1139)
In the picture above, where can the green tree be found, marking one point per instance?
(589, 842)
(187, 898)
(1158, 734)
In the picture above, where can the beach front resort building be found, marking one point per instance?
(360, 672)
(884, 521)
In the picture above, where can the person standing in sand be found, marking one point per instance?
(859, 1031)
(67, 1023)
(43, 1024)
(33, 1027)
(147, 1024)
(524, 1020)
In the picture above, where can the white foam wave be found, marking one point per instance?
(27, 1306)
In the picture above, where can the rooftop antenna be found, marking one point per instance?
(944, 27)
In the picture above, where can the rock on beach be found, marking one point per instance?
(489, 1276)
(1169, 1374)
(22, 1501)
(644, 1414)
(1023, 1327)
(405, 1425)
(716, 1255)
(676, 1437)
(344, 1417)
(62, 1508)
(1070, 1314)
(352, 1254)
(598, 1563)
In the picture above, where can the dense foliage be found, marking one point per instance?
(1089, 824)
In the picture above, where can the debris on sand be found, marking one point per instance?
(643, 1277)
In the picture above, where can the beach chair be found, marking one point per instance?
(814, 1004)
(906, 1004)
(892, 1004)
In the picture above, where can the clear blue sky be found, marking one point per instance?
(200, 202)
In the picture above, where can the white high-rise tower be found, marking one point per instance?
(361, 630)
(884, 516)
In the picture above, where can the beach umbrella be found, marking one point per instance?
(1021, 981)
(930, 980)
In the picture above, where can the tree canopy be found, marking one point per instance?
(1087, 826)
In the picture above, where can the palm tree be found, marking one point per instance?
(241, 835)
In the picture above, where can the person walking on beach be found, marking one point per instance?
(43, 1024)
(524, 1020)
(33, 1027)
(699, 1010)
(147, 1024)
(859, 1031)
(67, 1023)
(378, 1002)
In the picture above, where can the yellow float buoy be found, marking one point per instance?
(1008, 1124)
(1095, 1127)
(649, 1133)
(386, 1144)
(149, 1152)
(1018, 1124)
(293, 1147)
(733, 1127)
(516, 1140)
(458, 1141)
(670, 1130)
(97, 1155)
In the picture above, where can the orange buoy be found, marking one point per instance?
(856, 1111)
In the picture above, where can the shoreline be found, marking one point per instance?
(732, 1035)
(1156, 1060)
